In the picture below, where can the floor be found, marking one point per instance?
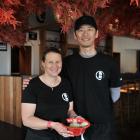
(11, 132)
(129, 133)
(14, 133)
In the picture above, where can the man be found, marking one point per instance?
(95, 81)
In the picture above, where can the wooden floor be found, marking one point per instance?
(10, 132)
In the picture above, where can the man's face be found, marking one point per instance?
(86, 35)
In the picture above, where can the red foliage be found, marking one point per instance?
(113, 16)
(11, 2)
(66, 17)
(14, 37)
(74, 10)
(100, 4)
(34, 6)
(6, 17)
(15, 13)
(117, 17)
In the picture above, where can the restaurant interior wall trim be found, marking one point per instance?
(127, 47)
(34, 54)
(10, 99)
(5, 61)
(35, 44)
(128, 61)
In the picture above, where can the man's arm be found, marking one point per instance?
(25, 82)
(115, 94)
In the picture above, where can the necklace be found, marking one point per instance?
(51, 82)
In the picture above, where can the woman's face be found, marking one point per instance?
(52, 64)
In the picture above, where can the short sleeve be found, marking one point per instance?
(29, 94)
(69, 90)
(115, 77)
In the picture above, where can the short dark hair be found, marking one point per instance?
(85, 20)
(50, 49)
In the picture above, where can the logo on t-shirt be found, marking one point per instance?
(65, 97)
(99, 75)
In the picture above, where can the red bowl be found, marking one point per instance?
(77, 131)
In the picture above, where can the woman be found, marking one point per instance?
(47, 102)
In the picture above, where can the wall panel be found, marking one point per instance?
(10, 99)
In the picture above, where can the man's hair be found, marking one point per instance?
(85, 20)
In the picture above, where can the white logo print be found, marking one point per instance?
(99, 75)
(65, 97)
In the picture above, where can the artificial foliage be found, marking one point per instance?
(115, 17)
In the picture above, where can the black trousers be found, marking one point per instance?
(100, 132)
(33, 136)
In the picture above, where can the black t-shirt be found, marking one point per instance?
(91, 80)
(51, 104)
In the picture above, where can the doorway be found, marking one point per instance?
(21, 60)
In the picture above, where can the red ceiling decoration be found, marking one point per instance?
(115, 17)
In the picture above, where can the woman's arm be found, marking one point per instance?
(29, 119)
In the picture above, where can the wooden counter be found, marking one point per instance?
(10, 99)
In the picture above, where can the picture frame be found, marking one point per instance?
(3, 46)
(32, 35)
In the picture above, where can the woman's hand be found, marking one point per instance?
(61, 129)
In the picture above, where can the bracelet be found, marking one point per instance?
(49, 124)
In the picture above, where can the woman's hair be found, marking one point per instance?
(48, 50)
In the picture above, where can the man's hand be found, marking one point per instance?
(26, 82)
